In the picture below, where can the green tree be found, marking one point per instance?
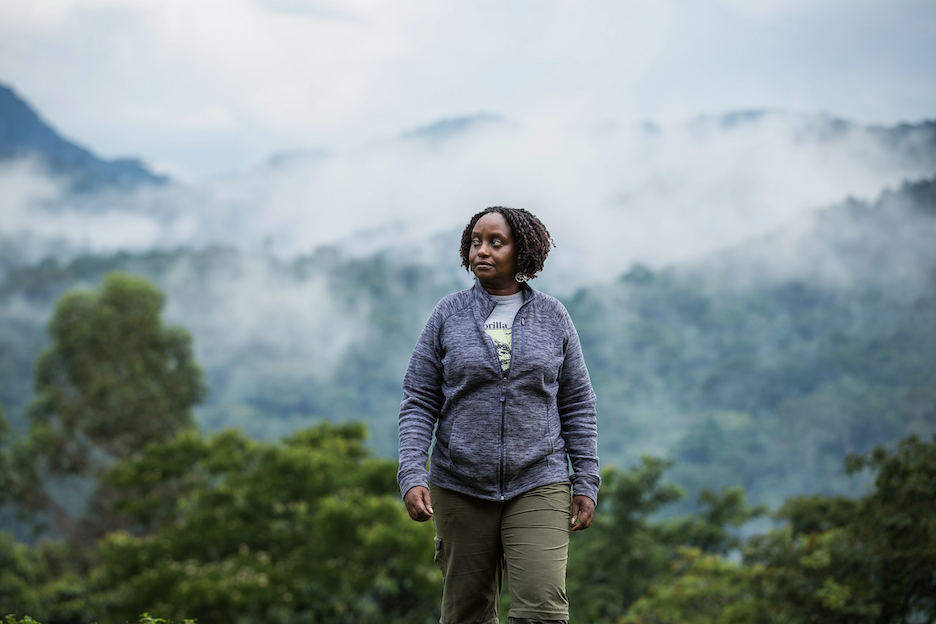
(627, 551)
(614, 562)
(898, 521)
(309, 529)
(870, 560)
(6, 467)
(113, 379)
(703, 589)
(47, 580)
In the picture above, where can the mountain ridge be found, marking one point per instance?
(24, 134)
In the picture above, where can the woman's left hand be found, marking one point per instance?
(583, 509)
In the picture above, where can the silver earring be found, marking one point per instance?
(520, 277)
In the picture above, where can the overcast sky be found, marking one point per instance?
(201, 87)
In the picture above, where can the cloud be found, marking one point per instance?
(311, 8)
(209, 86)
(766, 9)
(241, 303)
(611, 195)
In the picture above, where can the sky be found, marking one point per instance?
(201, 88)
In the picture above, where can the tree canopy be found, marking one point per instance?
(114, 378)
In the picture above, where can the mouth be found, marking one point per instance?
(483, 265)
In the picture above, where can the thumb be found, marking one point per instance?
(428, 501)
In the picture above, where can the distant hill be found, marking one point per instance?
(23, 134)
(760, 365)
(788, 334)
(444, 130)
(763, 364)
(661, 196)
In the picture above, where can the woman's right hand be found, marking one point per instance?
(418, 503)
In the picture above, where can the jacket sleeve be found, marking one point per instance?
(421, 404)
(577, 405)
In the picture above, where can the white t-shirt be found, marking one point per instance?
(500, 324)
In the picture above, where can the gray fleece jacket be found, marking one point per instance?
(496, 435)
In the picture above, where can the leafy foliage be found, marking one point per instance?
(310, 529)
(898, 521)
(706, 589)
(869, 560)
(6, 468)
(750, 372)
(307, 529)
(114, 379)
(626, 550)
(145, 618)
(48, 579)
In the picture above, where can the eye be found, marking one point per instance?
(475, 241)
(497, 242)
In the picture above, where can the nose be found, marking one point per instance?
(483, 250)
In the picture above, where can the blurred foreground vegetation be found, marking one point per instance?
(311, 529)
(150, 515)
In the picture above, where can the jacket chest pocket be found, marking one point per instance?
(538, 357)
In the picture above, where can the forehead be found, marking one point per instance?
(492, 222)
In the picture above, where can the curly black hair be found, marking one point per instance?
(531, 239)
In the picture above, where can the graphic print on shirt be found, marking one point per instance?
(500, 334)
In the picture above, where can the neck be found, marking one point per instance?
(501, 289)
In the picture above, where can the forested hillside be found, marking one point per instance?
(761, 365)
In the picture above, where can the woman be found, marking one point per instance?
(498, 373)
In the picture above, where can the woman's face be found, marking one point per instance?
(492, 255)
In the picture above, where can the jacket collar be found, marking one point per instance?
(485, 303)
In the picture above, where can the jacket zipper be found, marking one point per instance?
(500, 475)
(503, 463)
(522, 337)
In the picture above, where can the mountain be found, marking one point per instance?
(763, 364)
(444, 130)
(754, 291)
(612, 193)
(760, 365)
(24, 135)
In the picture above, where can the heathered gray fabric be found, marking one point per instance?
(495, 441)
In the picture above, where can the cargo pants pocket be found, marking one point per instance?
(439, 556)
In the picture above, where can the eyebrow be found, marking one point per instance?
(475, 233)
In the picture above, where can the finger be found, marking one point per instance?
(424, 501)
(416, 504)
(583, 510)
(581, 524)
(584, 521)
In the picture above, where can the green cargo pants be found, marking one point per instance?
(477, 541)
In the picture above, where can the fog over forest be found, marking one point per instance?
(612, 194)
(305, 280)
(223, 226)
